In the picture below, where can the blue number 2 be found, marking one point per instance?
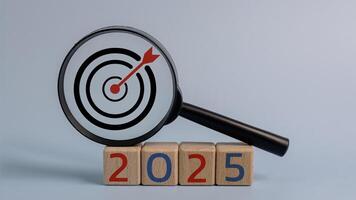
(150, 170)
(234, 166)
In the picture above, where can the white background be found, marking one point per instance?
(285, 66)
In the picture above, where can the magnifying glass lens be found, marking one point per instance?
(117, 86)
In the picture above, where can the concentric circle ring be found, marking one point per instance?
(106, 96)
(95, 107)
(92, 119)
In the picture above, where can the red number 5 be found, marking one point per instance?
(114, 177)
(192, 178)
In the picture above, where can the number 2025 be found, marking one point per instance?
(226, 168)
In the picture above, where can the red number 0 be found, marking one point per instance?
(113, 177)
(192, 178)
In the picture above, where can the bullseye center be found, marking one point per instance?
(115, 88)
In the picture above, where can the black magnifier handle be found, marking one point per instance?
(254, 136)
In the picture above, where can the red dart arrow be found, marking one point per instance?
(148, 57)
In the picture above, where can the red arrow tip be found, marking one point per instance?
(149, 57)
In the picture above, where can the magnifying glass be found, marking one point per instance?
(118, 86)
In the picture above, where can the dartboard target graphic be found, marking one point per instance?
(117, 86)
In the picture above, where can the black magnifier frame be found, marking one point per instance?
(77, 125)
(265, 140)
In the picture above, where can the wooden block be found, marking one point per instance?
(234, 164)
(122, 165)
(159, 163)
(196, 163)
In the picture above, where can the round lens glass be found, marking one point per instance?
(117, 84)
